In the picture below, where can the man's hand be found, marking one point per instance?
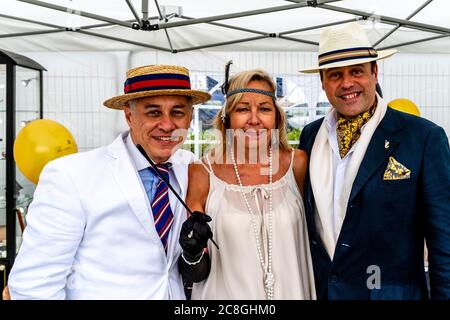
(195, 233)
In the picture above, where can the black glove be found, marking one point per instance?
(195, 233)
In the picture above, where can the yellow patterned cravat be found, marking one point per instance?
(349, 130)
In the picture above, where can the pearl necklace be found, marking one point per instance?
(269, 279)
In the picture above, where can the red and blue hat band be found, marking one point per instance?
(159, 81)
(347, 54)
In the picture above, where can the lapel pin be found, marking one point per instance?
(386, 144)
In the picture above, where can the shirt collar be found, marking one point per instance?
(331, 119)
(138, 159)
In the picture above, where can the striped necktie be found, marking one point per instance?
(162, 213)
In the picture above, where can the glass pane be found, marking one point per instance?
(200, 139)
(2, 161)
(27, 109)
(322, 109)
(297, 116)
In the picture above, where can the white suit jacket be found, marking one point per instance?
(90, 232)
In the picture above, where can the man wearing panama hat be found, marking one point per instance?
(378, 183)
(102, 224)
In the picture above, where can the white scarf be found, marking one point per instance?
(322, 176)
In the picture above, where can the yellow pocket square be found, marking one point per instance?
(396, 171)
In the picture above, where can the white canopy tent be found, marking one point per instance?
(87, 46)
(183, 25)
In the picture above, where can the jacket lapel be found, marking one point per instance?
(128, 181)
(309, 196)
(382, 144)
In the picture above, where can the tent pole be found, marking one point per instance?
(76, 12)
(31, 33)
(91, 26)
(161, 18)
(145, 10)
(318, 26)
(30, 21)
(230, 27)
(124, 40)
(299, 40)
(399, 25)
(237, 14)
(415, 41)
(223, 43)
(133, 11)
(300, 1)
(100, 25)
(63, 29)
(80, 30)
(390, 20)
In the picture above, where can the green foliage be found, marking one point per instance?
(294, 135)
(208, 135)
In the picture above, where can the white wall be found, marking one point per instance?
(77, 83)
(75, 86)
(424, 79)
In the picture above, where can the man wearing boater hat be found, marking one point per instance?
(378, 184)
(102, 224)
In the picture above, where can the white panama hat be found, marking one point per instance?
(345, 45)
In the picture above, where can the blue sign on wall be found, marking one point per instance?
(280, 91)
(216, 95)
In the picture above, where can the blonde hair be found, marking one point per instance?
(241, 80)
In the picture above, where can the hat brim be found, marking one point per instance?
(120, 101)
(381, 55)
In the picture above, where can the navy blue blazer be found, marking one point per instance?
(387, 220)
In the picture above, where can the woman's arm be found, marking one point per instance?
(300, 166)
(198, 187)
(194, 264)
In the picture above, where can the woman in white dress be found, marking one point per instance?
(251, 187)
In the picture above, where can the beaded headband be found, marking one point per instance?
(267, 93)
(227, 94)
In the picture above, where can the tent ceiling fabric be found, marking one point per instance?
(276, 30)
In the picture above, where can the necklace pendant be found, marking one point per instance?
(269, 282)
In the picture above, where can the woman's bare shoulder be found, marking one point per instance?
(197, 168)
(300, 158)
(299, 166)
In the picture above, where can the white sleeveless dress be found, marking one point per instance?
(236, 271)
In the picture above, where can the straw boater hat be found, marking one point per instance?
(346, 45)
(156, 80)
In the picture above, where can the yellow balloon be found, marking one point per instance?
(405, 105)
(39, 142)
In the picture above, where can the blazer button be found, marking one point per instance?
(334, 278)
